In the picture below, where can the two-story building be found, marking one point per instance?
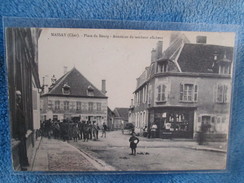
(74, 96)
(187, 85)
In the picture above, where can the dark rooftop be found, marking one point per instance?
(78, 84)
(122, 113)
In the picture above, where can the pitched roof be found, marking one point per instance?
(122, 113)
(78, 85)
(200, 57)
(175, 46)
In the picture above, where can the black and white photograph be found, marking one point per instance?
(118, 99)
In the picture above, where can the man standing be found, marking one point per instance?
(104, 129)
(21, 133)
(154, 130)
(81, 128)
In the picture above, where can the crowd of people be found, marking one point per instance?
(72, 130)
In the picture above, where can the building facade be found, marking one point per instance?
(23, 76)
(186, 86)
(74, 96)
(120, 118)
(110, 119)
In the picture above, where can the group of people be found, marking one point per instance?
(150, 132)
(71, 129)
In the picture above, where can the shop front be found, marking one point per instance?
(174, 122)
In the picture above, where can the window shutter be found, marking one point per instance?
(163, 92)
(218, 119)
(61, 105)
(215, 94)
(181, 92)
(195, 93)
(225, 94)
(219, 93)
(159, 93)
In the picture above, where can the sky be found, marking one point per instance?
(118, 56)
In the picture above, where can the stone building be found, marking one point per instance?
(73, 95)
(186, 86)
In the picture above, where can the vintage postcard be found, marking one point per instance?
(119, 100)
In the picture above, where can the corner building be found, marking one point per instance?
(186, 86)
(74, 96)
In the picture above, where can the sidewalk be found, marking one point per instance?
(56, 155)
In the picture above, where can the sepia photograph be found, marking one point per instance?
(118, 99)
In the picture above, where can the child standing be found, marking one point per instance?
(133, 143)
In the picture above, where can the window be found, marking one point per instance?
(99, 107)
(55, 117)
(161, 93)
(162, 67)
(188, 92)
(90, 106)
(218, 119)
(57, 105)
(66, 105)
(84, 106)
(50, 104)
(66, 89)
(78, 106)
(221, 94)
(72, 105)
(145, 94)
(149, 93)
(224, 69)
(90, 91)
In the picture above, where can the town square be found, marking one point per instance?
(119, 100)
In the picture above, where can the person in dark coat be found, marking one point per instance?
(81, 128)
(104, 129)
(95, 129)
(75, 132)
(21, 133)
(133, 143)
(86, 131)
(90, 129)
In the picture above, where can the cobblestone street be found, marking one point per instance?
(155, 154)
(112, 154)
(56, 155)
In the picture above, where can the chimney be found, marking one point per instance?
(104, 87)
(65, 69)
(153, 55)
(201, 39)
(159, 49)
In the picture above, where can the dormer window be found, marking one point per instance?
(90, 91)
(66, 89)
(224, 69)
(224, 65)
(162, 67)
